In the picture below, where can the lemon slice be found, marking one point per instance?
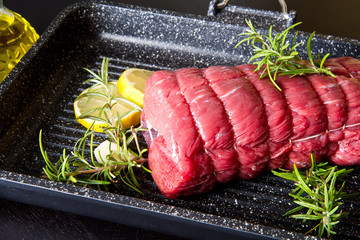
(131, 84)
(128, 111)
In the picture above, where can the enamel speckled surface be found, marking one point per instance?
(39, 92)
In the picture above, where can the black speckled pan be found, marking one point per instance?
(39, 92)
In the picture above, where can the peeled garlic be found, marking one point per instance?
(103, 150)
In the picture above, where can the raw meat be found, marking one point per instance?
(277, 113)
(347, 71)
(219, 123)
(308, 120)
(246, 116)
(333, 99)
(211, 121)
(182, 166)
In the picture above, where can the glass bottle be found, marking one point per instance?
(16, 37)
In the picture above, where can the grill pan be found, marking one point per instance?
(39, 93)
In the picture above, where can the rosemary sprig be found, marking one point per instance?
(277, 55)
(79, 168)
(83, 168)
(317, 196)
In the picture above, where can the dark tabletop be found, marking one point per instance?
(21, 221)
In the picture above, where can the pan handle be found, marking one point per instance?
(220, 4)
(224, 12)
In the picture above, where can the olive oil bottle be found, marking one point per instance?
(16, 37)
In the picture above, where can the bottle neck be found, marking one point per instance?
(6, 16)
(1, 7)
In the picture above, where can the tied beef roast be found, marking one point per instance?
(219, 123)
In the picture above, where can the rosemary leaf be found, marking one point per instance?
(309, 205)
(285, 175)
(306, 217)
(294, 210)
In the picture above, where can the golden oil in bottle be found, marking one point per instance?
(16, 37)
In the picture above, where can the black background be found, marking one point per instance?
(19, 221)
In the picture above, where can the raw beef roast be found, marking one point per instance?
(220, 123)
